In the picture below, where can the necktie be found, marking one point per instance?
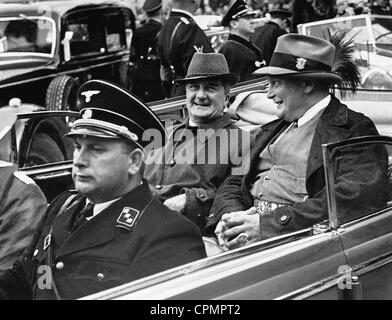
(80, 218)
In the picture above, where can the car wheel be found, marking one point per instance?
(43, 150)
(61, 93)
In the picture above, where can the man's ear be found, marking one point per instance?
(308, 86)
(233, 24)
(136, 159)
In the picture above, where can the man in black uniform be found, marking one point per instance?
(242, 56)
(265, 37)
(179, 39)
(110, 230)
(144, 61)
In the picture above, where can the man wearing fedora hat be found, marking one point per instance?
(242, 56)
(179, 39)
(284, 189)
(109, 230)
(265, 37)
(22, 203)
(203, 150)
(144, 61)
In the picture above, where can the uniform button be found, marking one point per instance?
(35, 252)
(100, 276)
(172, 162)
(266, 178)
(59, 265)
(158, 186)
(283, 218)
(202, 196)
(199, 215)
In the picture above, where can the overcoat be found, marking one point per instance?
(243, 57)
(210, 158)
(361, 185)
(134, 237)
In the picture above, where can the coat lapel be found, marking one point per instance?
(329, 129)
(102, 228)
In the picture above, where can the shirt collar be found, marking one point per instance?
(99, 207)
(184, 12)
(313, 111)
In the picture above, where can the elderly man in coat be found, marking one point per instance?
(284, 189)
(204, 149)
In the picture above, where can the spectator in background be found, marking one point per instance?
(382, 7)
(178, 40)
(144, 69)
(265, 37)
(242, 56)
(312, 10)
(21, 36)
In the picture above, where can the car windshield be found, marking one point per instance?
(27, 35)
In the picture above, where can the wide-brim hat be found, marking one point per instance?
(237, 9)
(152, 5)
(109, 111)
(209, 66)
(304, 56)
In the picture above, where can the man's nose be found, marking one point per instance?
(270, 92)
(201, 94)
(80, 158)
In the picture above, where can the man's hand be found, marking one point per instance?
(236, 226)
(176, 203)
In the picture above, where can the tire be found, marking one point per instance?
(43, 150)
(61, 93)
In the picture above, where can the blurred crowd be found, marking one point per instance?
(303, 10)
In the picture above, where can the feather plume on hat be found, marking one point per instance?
(343, 62)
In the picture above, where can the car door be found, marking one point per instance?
(366, 235)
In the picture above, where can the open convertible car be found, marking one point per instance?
(348, 256)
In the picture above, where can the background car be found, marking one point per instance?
(70, 42)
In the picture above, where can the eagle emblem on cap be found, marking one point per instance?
(87, 114)
(88, 94)
(301, 63)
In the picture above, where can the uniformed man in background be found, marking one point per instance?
(144, 61)
(110, 230)
(22, 203)
(179, 39)
(242, 56)
(265, 37)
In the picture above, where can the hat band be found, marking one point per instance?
(288, 61)
(104, 125)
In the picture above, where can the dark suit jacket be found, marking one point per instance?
(361, 185)
(106, 251)
(242, 56)
(265, 38)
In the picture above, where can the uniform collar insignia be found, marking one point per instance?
(127, 218)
